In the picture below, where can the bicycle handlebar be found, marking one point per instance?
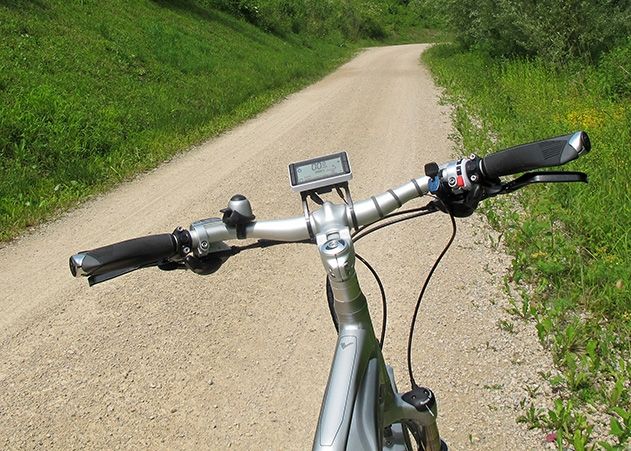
(467, 180)
(535, 155)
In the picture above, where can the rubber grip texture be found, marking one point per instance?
(132, 253)
(540, 154)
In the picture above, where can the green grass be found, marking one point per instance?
(572, 243)
(93, 92)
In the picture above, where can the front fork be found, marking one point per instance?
(416, 408)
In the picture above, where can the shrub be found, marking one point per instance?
(615, 71)
(557, 31)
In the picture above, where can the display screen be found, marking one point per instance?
(319, 170)
(320, 174)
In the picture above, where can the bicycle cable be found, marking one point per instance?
(384, 318)
(384, 303)
(416, 212)
(425, 284)
(429, 208)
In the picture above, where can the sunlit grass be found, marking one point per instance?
(572, 243)
(92, 92)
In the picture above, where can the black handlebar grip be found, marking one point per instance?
(132, 253)
(540, 154)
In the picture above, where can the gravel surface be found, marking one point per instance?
(240, 359)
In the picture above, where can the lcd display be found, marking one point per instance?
(320, 173)
(319, 170)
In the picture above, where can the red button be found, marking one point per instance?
(460, 181)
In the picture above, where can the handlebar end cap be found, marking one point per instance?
(580, 142)
(76, 265)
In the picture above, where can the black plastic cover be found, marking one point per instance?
(421, 398)
(540, 154)
(134, 253)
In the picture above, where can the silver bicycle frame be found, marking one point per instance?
(361, 409)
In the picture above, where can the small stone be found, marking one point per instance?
(174, 409)
(210, 382)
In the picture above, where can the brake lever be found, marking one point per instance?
(202, 266)
(540, 177)
(208, 264)
(465, 203)
(93, 280)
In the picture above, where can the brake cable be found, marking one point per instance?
(429, 208)
(425, 284)
(421, 211)
(363, 231)
(384, 304)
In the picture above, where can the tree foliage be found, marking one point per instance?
(557, 31)
(344, 19)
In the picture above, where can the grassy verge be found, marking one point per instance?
(93, 92)
(572, 244)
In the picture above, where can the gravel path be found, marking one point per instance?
(240, 359)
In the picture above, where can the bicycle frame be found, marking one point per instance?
(361, 408)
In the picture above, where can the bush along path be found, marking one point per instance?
(571, 244)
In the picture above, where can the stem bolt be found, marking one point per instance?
(332, 244)
(204, 245)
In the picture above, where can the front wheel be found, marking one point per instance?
(416, 439)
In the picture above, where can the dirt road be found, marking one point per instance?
(240, 359)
